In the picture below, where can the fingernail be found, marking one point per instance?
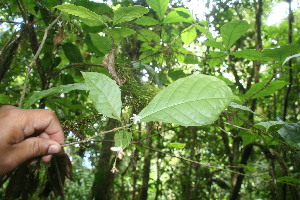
(53, 149)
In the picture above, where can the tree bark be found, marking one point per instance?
(104, 178)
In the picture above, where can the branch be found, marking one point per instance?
(75, 65)
(91, 138)
(34, 59)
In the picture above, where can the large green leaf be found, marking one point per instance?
(250, 54)
(148, 36)
(188, 35)
(192, 101)
(159, 6)
(54, 90)
(291, 134)
(72, 53)
(264, 88)
(146, 21)
(179, 15)
(214, 44)
(103, 44)
(105, 94)
(232, 31)
(125, 14)
(118, 33)
(282, 53)
(270, 125)
(82, 12)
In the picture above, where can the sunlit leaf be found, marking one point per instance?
(176, 145)
(188, 35)
(232, 31)
(125, 14)
(159, 6)
(192, 101)
(82, 12)
(105, 94)
(178, 15)
(214, 44)
(54, 90)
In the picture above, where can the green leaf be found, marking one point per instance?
(188, 35)
(4, 99)
(118, 33)
(176, 145)
(146, 21)
(232, 31)
(105, 94)
(264, 88)
(247, 137)
(122, 138)
(179, 15)
(103, 44)
(72, 53)
(288, 180)
(214, 44)
(250, 54)
(290, 57)
(270, 125)
(125, 14)
(192, 101)
(54, 90)
(241, 107)
(82, 12)
(282, 53)
(159, 6)
(148, 36)
(291, 134)
(217, 54)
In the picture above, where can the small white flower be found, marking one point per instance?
(135, 118)
(114, 170)
(59, 23)
(116, 148)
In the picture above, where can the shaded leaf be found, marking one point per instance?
(72, 53)
(232, 31)
(288, 180)
(105, 94)
(146, 21)
(118, 33)
(4, 99)
(159, 6)
(291, 134)
(192, 101)
(264, 88)
(281, 54)
(148, 36)
(247, 137)
(274, 125)
(125, 14)
(103, 44)
(54, 90)
(250, 54)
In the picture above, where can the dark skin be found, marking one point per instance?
(27, 135)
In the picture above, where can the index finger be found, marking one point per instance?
(40, 120)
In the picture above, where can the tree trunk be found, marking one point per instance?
(104, 178)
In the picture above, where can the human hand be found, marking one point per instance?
(27, 134)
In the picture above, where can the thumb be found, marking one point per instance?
(35, 147)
